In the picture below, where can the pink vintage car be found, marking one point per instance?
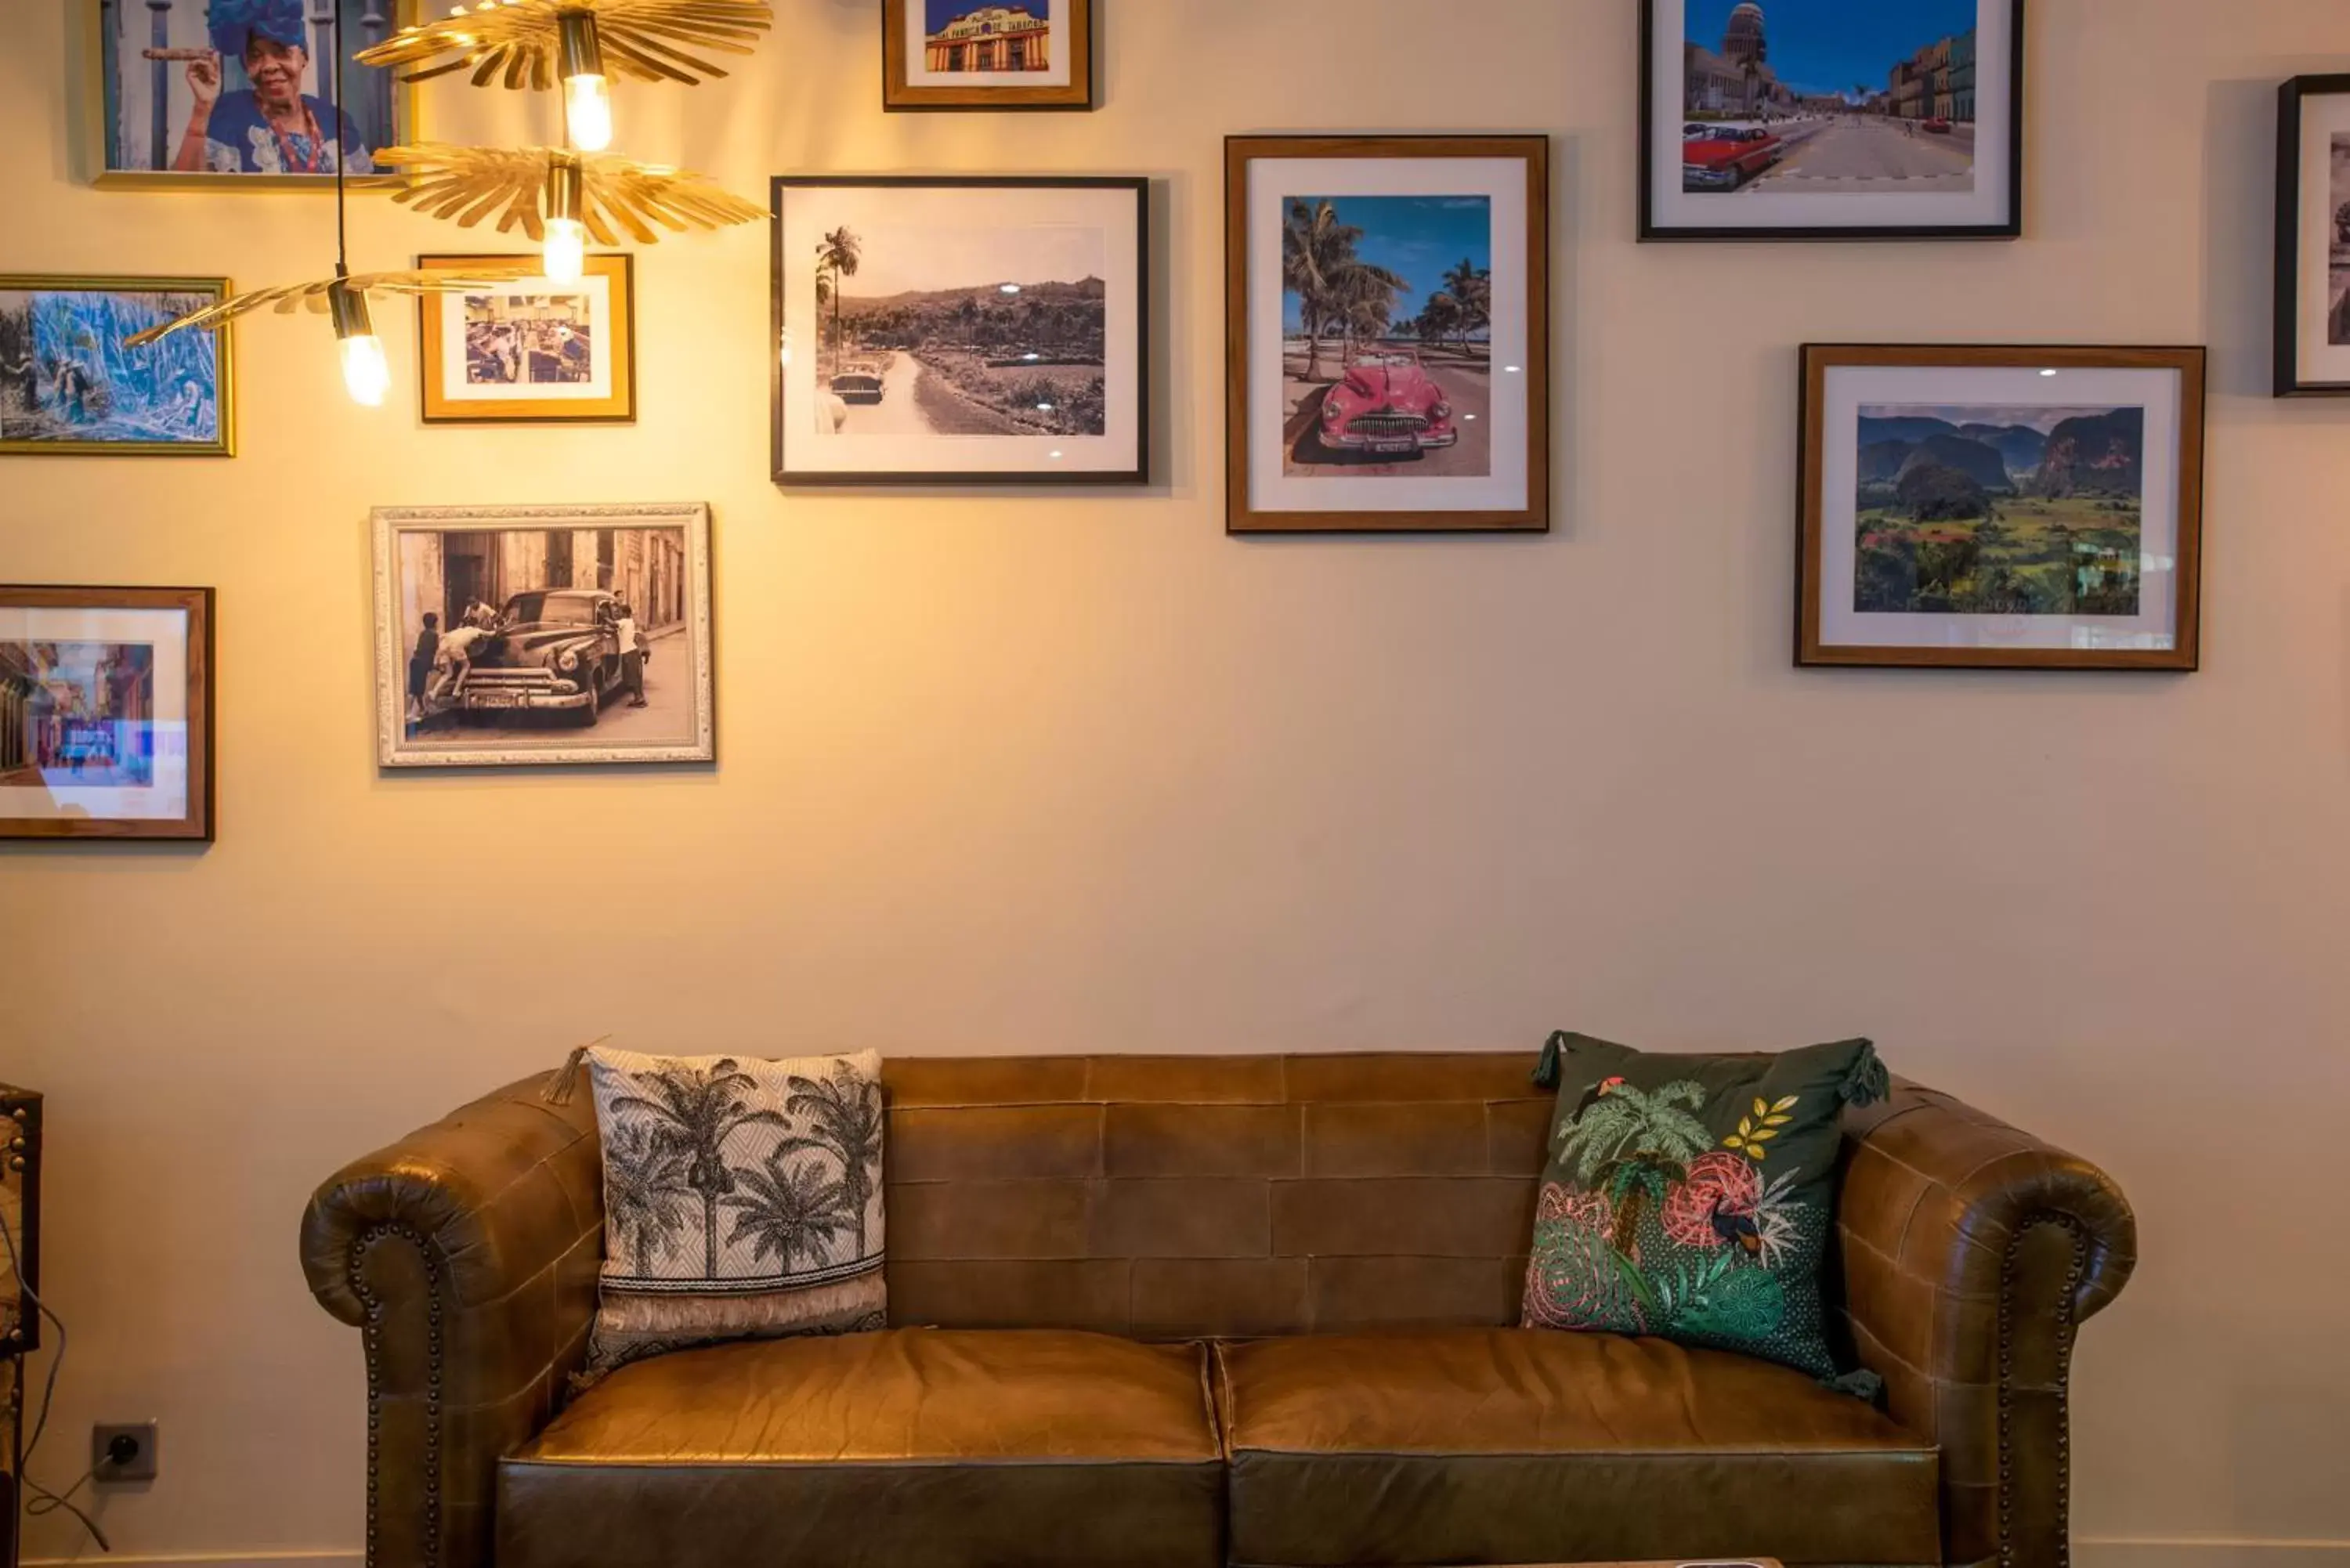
(1387, 406)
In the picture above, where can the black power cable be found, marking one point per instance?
(44, 1501)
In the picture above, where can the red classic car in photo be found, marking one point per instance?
(1727, 156)
(1386, 406)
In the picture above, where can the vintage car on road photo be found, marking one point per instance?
(553, 648)
(860, 381)
(1386, 405)
(1729, 158)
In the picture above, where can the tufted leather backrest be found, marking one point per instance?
(1174, 1197)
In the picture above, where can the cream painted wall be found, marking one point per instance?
(1079, 773)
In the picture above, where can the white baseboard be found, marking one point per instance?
(94, 1557)
(2207, 1551)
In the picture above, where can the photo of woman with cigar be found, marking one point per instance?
(244, 89)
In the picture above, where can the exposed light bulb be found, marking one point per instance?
(366, 372)
(588, 112)
(567, 250)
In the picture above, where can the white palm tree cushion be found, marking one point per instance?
(742, 1199)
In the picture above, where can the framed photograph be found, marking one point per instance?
(2313, 238)
(945, 330)
(67, 385)
(1388, 336)
(106, 713)
(988, 53)
(2006, 508)
(533, 352)
(525, 636)
(240, 94)
(1832, 120)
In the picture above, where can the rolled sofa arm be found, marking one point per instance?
(466, 1253)
(1970, 1254)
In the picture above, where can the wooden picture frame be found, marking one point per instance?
(1071, 24)
(389, 108)
(456, 386)
(106, 713)
(69, 389)
(899, 394)
(1412, 455)
(1905, 138)
(502, 636)
(2024, 507)
(2313, 238)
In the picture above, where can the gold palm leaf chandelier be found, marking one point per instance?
(320, 296)
(555, 195)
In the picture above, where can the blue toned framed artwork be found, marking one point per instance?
(68, 386)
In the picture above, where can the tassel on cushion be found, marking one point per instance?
(1546, 1071)
(566, 1082)
(1868, 1082)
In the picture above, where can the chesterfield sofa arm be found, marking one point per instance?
(466, 1254)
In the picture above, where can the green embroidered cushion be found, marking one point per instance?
(1693, 1198)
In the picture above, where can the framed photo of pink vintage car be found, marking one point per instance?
(529, 635)
(1387, 357)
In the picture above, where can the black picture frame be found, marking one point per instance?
(1652, 231)
(2292, 98)
(1057, 479)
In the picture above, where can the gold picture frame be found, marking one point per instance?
(609, 350)
(99, 142)
(1069, 27)
(80, 385)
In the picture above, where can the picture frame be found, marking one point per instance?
(544, 636)
(989, 54)
(2000, 507)
(2313, 238)
(969, 330)
(142, 59)
(106, 713)
(1441, 417)
(532, 351)
(69, 387)
(1749, 134)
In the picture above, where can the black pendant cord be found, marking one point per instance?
(342, 242)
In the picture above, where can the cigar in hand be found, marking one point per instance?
(176, 53)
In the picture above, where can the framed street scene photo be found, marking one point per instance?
(2313, 238)
(986, 54)
(943, 330)
(68, 384)
(522, 636)
(532, 351)
(239, 94)
(1831, 120)
(1388, 341)
(106, 713)
(2030, 508)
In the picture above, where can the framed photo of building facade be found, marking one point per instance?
(1388, 339)
(68, 386)
(106, 713)
(988, 53)
(961, 330)
(525, 636)
(2009, 508)
(1832, 120)
(2313, 238)
(240, 94)
(532, 351)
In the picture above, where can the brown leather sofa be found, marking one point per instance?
(1187, 1312)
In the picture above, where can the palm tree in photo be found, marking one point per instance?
(695, 1111)
(644, 1190)
(1439, 319)
(1635, 1144)
(1471, 288)
(787, 1211)
(846, 1117)
(1320, 265)
(837, 258)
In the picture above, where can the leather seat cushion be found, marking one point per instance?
(908, 1448)
(1533, 1446)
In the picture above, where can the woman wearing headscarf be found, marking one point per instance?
(273, 127)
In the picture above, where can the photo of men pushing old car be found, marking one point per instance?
(521, 636)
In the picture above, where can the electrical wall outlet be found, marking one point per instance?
(122, 1452)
